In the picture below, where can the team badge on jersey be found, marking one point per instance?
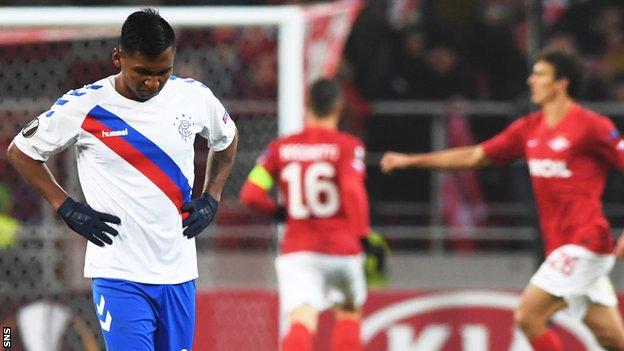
(184, 124)
(559, 143)
(31, 128)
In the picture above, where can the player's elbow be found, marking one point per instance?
(250, 195)
(12, 153)
(245, 197)
(477, 158)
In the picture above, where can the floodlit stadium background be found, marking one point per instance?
(418, 75)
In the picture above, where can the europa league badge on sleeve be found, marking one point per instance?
(31, 128)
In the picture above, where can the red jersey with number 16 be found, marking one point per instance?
(321, 178)
(568, 164)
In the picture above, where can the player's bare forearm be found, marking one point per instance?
(38, 175)
(218, 168)
(468, 157)
(619, 247)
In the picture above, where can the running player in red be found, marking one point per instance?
(568, 149)
(320, 172)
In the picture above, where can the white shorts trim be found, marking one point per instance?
(320, 280)
(579, 276)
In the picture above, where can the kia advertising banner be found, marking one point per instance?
(462, 320)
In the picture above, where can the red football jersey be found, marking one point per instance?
(568, 164)
(321, 175)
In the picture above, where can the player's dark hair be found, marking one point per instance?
(147, 33)
(568, 67)
(323, 96)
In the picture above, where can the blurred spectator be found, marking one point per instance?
(616, 91)
(371, 49)
(581, 19)
(553, 10)
(611, 27)
(407, 81)
(594, 88)
(9, 226)
(561, 41)
(451, 16)
(445, 76)
(493, 53)
(404, 13)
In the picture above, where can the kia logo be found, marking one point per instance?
(466, 321)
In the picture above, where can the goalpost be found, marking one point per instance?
(290, 21)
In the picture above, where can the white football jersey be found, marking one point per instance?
(135, 161)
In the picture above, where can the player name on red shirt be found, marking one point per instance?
(568, 164)
(321, 177)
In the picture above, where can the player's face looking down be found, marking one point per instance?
(544, 85)
(143, 77)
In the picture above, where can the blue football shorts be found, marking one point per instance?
(145, 317)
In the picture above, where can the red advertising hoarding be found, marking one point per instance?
(461, 320)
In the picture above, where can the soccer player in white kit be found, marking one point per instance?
(568, 149)
(134, 135)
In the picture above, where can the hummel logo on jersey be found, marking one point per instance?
(547, 168)
(559, 143)
(114, 133)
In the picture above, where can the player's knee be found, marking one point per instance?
(610, 339)
(305, 315)
(527, 322)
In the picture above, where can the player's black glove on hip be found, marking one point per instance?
(202, 211)
(88, 222)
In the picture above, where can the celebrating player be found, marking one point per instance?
(134, 134)
(321, 177)
(568, 149)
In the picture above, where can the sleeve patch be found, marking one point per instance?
(31, 128)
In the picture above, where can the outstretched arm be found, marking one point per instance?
(619, 247)
(468, 157)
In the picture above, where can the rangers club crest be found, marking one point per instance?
(184, 125)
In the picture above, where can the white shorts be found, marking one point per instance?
(579, 276)
(320, 280)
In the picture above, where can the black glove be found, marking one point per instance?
(88, 222)
(280, 215)
(375, 266)
(203, 210)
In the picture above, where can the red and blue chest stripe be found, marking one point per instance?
(140, 152)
